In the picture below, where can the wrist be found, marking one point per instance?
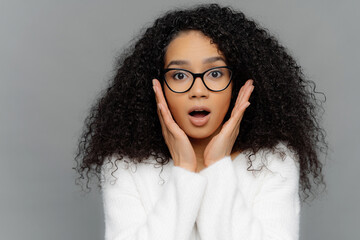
(210, 162)
(187, 167)
(191, 169)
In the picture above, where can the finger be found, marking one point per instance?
(164, 107)
(233, 124)
(241, 93)
(240, 98)
(167, 118)
(246, 86)
(240, 107)
(156, 90)
(163, 102)
(159, 93)
(243, 88)
(162, 122)
(160, 97)
(158, 110)
(240, 112)
(243, 103)
(245, 96)
(162, 112)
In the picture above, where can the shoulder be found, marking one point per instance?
(123, 167)
(281, 157)
(281, 160)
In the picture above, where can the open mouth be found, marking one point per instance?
(199, 114)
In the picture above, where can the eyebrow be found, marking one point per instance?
(208, 60)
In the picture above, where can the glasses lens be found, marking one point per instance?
(178, 80)
(218, 78)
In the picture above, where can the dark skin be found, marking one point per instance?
(214, 141)
(179, 143)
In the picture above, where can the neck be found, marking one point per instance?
(199, 146)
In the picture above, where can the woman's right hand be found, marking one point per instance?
(177, 141)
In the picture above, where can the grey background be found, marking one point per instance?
(56, 56)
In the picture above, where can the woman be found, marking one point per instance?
(230, 119)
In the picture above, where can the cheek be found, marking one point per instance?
(222, 106)
(224, 101)
(174, 105)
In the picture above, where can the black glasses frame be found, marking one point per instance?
(196, 75)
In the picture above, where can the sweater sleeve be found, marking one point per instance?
(172, 217)
(274, 214)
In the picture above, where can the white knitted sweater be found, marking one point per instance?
(223, 201)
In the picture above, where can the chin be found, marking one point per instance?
(198, 133)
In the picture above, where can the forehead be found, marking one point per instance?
(192, 46)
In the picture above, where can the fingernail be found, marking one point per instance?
(153, 82)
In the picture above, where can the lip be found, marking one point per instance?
(199, 121)
(199, 108)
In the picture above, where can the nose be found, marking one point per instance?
(198, 89)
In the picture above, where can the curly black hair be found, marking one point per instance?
(284, 105)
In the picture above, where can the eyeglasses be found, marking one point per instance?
(180, 80)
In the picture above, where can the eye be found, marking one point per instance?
(179, 75)
(215, 74)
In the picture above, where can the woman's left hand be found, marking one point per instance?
(222, 144)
